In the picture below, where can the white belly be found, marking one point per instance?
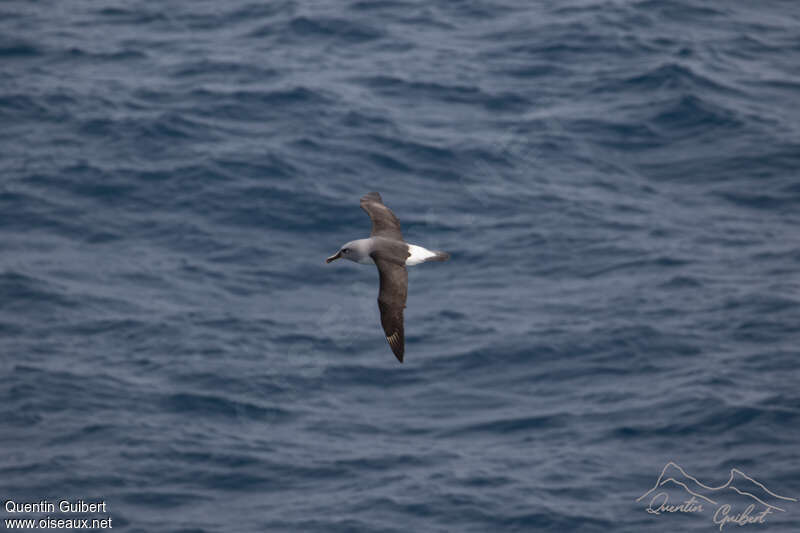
(418, 255)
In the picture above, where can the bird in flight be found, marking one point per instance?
(386, 248)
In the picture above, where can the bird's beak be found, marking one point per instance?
(334, 257)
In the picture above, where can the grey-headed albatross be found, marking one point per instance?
(391, 254)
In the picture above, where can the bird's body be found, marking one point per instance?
(360, 251)
(391, 254)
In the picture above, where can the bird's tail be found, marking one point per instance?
(439, 256)
(418, 254)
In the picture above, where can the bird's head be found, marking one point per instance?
(354, 251)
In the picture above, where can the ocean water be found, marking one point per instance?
(618, 183)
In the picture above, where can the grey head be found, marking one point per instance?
(357, 251)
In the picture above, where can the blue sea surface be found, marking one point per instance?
(618, 183)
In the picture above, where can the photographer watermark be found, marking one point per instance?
(57, 515)
(739, 501)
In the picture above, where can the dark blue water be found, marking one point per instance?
(618, 184)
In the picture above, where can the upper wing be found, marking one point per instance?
(384, 223)
(391, 302)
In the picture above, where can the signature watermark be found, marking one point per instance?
(739, 501)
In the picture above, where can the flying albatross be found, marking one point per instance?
(391, 254)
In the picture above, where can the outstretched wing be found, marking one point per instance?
(391, 302)
(384, 223)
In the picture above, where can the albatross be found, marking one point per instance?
(386, 248)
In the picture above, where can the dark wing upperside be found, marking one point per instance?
(391, 302)
(384, 223)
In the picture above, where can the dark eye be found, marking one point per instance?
(345, 250)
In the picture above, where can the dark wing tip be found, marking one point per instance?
(372, 197)
(397, 343)
(384, 222)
